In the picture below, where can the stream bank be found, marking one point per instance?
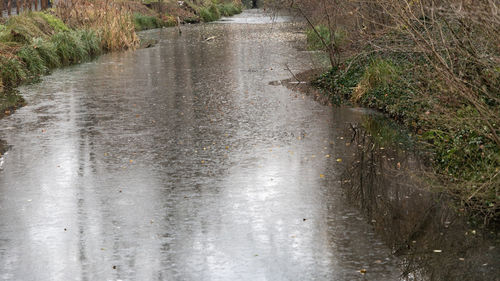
(165, 163)
(388, 175)
(32, 44)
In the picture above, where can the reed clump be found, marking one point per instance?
(113, 24)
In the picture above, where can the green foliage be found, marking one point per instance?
(464, 157)
(143, 22)
(23, 29)
(47, 52)
(69, 47)
(12, 71)
(464, 153)
(209, 14)
(91, 42)
(54, 22)
(214, 10)
(380, 73)
(314, 41)
(342, 79)
(229, 9)
(4, 33)
(34, 64)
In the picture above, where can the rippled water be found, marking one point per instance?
(182, 162)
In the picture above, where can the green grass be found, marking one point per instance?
(229, 9)
(54, 22)
(12, 71)
(210, 13)
(22, 29)
(314, 41)
(47, 52)
(143, 22)
(69, 47)
(91, 42)
(33, 63)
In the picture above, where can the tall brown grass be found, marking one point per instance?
(110, 20)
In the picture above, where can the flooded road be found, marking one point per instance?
(182, 162)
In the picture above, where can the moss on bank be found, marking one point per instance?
(465, 160)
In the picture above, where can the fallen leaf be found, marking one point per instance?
(339, 160)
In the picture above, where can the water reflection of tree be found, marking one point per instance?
(385, 179)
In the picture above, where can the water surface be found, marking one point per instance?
(182, 162)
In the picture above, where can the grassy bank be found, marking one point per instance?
(34, 43)
(214, 10)
(431, 65)
(465, 157)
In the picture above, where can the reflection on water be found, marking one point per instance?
(181, 162)
(384, 178)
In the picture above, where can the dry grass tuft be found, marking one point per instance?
(113, 23)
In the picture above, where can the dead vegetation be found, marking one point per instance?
(431, 64)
